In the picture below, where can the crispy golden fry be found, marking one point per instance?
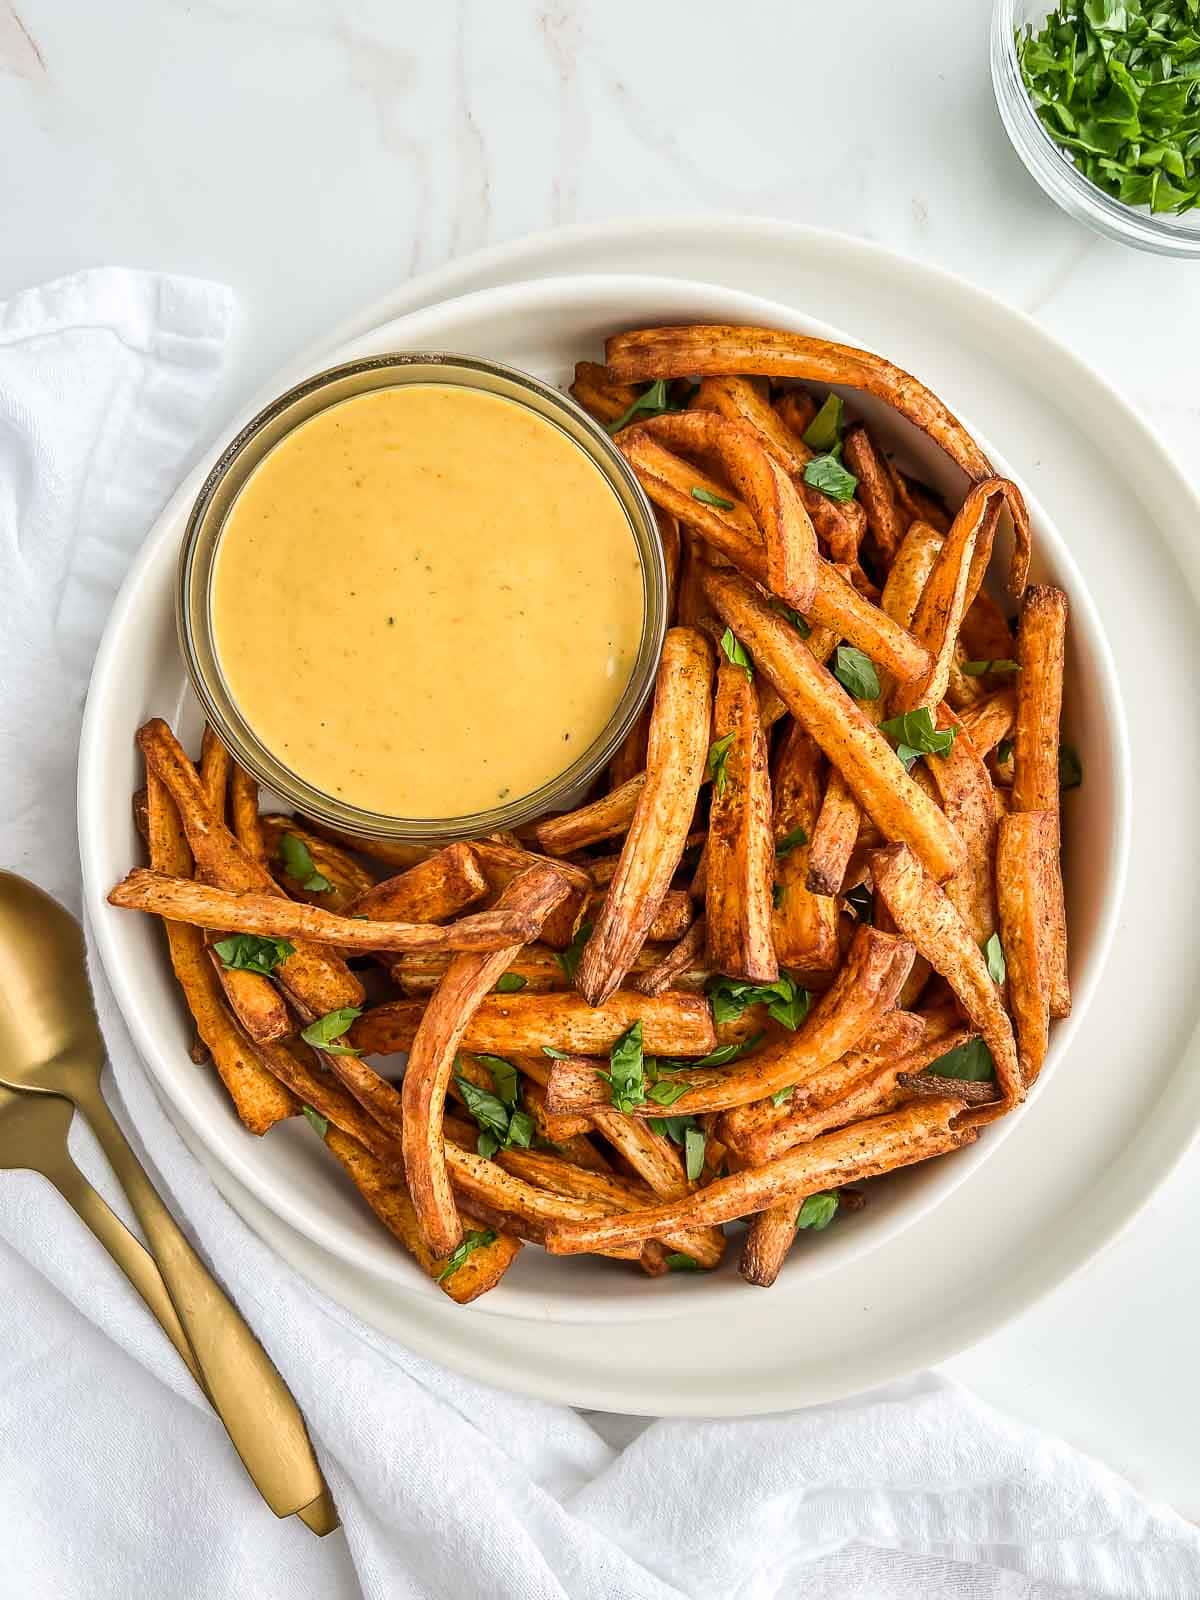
(915, 1084)
(838, 606)
(835, 834)
(839, 524)
(763, 1130)
(917, 502)
(653, 846)
(915, 1132)
(671, 921)
(568, 1133)
(546, 1171)
(781, 523)
(600, 398)
(948, 591)
(541, 970)
(804, 927)
(141, 822)
(864, 989)
(985, 632)
(438, 887)
(990, 719)
(299, 1069)
(769, 1237)
(851, 741)
(605, 818)
(394, 853)
(713, 351)
(674, 966)
(740, 857)
(244, 817)
(1041, 651)
(260, 1102)
(914, 561)
(347, 879)
(206, 907)
(796, 408)
(387, 1195)
(673, 1024)
(431, 1061)
(875, 492)
(253, 998)
(1026, 854)
(318, 980)
(968, 799)
(502, 862)
(924, 914)
(215, 762)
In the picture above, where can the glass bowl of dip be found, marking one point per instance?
(422, 597)
(1051, 166)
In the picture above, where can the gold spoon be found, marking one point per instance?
(50, 1042)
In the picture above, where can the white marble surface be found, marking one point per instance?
(314, 152)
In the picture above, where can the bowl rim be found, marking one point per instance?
(1057, 175)
(238, 462)
(685, 1292)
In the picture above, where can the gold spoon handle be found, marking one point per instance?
(134, 1261)
(246, 1390)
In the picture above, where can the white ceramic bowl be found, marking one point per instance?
(544, 327)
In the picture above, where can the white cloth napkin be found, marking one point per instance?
(117, 1479)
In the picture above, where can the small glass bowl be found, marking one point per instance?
(1052, 167)
(215, 500)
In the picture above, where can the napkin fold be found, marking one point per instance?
(118, 1479)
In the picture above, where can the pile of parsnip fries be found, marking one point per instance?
(813, 929)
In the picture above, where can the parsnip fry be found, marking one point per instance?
(676, 757)
(681, 958)
(835, 834)
(539, 970)
(259, 1100)
(387, 1195)
(990, 720)
(769, 1238)
(252, 997)
(740, 860)
(346, 880)
(924, 914)
(712, 351)
(394, 853)
(531, 896)
(875, 492)
(215, 764)
(673, 1024)
(853, 744)
(502, 862)
(780, 519)
(839, 606)
(968, 799)
(600, 398)
(206, 907)
(915, 1132)
(805, 924)
(438, 887)
(864, 989)
(1041, 651)
(605, 818)
(244, 815)
(318, 980)
(1025, 856)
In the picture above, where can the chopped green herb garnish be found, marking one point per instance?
(827, 474)
(678, 1262)
(971, 1063)
(916, 736)
(825, 429)
(735, 653)
(694, 1141)
(1115, 85)
(505, 1077)
(299, 864)
(510, 982)
(788, 843)
(856, 672)
(817, 1212)
(718, 755)
(976, 669)
(569, 958)
(1004, 754)
(320, 1123)
(625, 1076)
(325, 1031)
(653, 400)
(784, 999)
(500, 1125)
(666, 1094)
(556, 1055)
(1070, 768)
(478, 1239)
(994, 952)
(720, 1057)
(246, 952)
(708, 498)
(781, 1095)
(777, 893)
(795, 617)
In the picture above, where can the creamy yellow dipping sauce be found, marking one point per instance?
(427, 601)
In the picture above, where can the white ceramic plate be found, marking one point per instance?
(543, 328)
(1079, 1161)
